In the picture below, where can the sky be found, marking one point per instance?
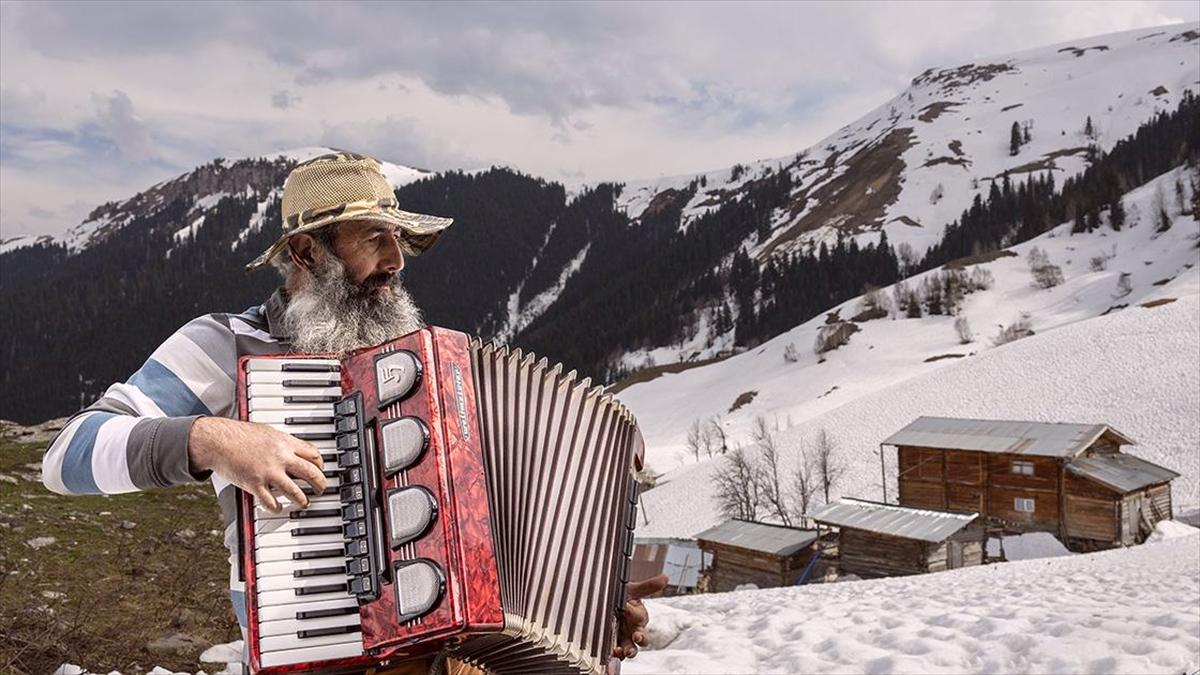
(99, 101)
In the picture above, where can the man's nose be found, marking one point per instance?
(393, 257)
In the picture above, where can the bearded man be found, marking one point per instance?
(174, 420)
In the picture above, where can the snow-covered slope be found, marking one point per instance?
(914, 163)
(1125, 611)
(1137, 368)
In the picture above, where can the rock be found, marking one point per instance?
(53, 595)
(185, 618)
(180, 644)
(40, 542)
(8, 479)
(128, 524)
(186, 533)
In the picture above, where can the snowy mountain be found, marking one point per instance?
(1118, 341)
(612, 278)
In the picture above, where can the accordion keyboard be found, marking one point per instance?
(306, 611)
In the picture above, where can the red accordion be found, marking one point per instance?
(480, 504)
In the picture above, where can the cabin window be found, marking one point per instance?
(1023, 504)
(1023, 468)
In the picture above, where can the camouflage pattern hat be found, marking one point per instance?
(341, 186)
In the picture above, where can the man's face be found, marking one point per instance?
(370, 252)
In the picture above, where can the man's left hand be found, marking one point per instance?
(632, 631)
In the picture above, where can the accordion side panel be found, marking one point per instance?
(468, 486)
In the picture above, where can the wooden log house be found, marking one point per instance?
(748, 552)
(1068, 479)
(876, 540)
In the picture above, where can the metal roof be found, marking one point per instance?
(1121, 472)
(775, 539)
(1049, 439)
(897, 521)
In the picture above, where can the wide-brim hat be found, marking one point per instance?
(341, 186)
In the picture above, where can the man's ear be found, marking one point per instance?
(304, 251)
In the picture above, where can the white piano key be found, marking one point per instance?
(314, 502)
(302, 428)
(287, 612)
(293, 625)
(284, 552)
(280, 582)
(288, 597)
(281, 376)
(256, 365)
(277, 416)
(286, 539)
(310, 654)
(278, 390)
(277, 525)
(289, 567)
(282, 642)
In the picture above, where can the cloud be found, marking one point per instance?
(118, 122)
(284, 99)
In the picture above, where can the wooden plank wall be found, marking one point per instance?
(732, 567)
(868, 554)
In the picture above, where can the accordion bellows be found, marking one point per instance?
(554, 448)
(483, 507)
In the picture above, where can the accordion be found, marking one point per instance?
(480, 504)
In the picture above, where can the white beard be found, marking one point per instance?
(330, 314)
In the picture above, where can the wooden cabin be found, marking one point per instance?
(748, 552)
(680, 559)
(878, 540)
(1068, 479)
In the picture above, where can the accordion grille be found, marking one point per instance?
(559, 457)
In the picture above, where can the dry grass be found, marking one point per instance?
(99, 594)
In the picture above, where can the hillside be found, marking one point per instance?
(1135, 366)
(1125, 611)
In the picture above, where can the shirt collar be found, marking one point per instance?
(275, 305)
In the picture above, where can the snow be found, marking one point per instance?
(520, 315)
(1131, 610)
(1029, 546)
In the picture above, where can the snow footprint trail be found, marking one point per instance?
(1126, 611)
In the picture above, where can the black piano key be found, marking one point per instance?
(358, 566)
(346, 424)
(631, 518)
(316, 435)
(332, 630)
(353, 530)
(321, 553)
(346, 406)
(333, 473)
(312, 383)
(350, 458)
(310, 399)
(362, 585)
(315, 513)
(319, 571)
(309, 420)
(329, 457)
(301, 367)
(347, 441)
(323, 613)
(354, 475)
(313, 493)
(306, 531)
(317, 590)
(356, 548)
(351, 493)
(353, 512)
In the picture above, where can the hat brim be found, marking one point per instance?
(418, 231)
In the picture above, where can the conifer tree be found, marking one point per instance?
(1014, 141)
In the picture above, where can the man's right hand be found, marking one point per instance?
(256, 458)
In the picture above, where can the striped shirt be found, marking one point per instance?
(136, 436)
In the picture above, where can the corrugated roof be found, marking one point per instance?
(897, 521)
(1049, 439)
(1121, 472)
(775, 539)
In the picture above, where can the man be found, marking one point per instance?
(174, 421)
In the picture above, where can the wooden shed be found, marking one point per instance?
(876, 540)
(748, 552)
(680, 559)
(1068, 479)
